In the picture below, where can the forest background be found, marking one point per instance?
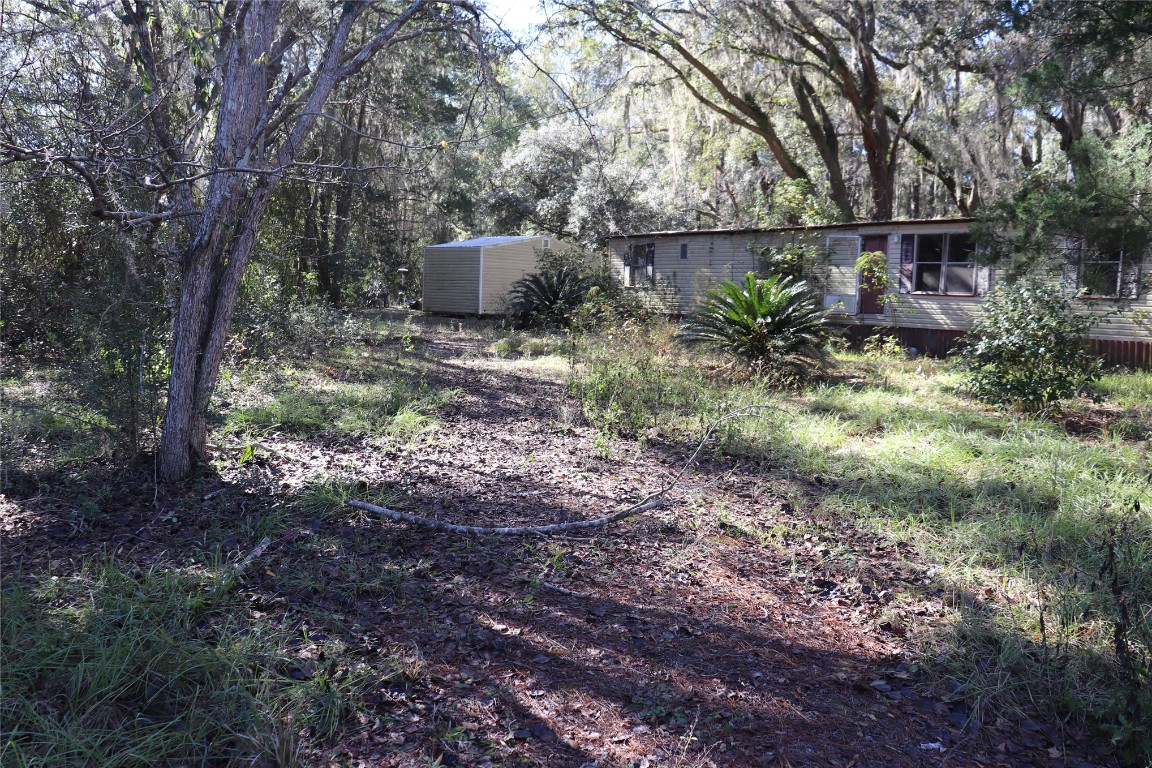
(172, 171)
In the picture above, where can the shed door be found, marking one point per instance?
(872, 290)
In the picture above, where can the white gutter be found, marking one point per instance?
(480, 308)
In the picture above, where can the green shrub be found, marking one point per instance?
(549, 298)
(775, 322)
(1027, 349)
(606, 303)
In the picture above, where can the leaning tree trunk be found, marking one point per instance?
(208, 293)
(249, 164)
(227, 217)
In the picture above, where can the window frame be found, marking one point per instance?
(640, 256)
(1129, 263)
(1098, 258)
(944, 264)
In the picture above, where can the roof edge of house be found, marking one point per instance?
(798, 228)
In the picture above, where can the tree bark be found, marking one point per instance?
(345, 195)
(249, 167)
(221, 121)
(205, 262)
(823, 132)
(862, 89)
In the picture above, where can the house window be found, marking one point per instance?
(1102, 274)
(943, 264)
(546, 244)
(683, 251)
(640, 264)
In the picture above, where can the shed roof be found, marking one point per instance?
(478, 242)
(808, 228)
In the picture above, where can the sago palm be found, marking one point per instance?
(776, 320)
(548, 297)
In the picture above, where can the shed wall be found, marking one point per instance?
(451, 280)
(503, 265)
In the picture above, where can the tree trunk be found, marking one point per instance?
(224, 225)
(350, 158)
(323, 253)
(265, 98)
(823, 132)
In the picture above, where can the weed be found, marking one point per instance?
(602, 445)
(1005, 507)
(629, 388)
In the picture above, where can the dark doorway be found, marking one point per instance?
(872, 291)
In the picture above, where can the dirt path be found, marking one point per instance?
(728, 629)
(676, 639)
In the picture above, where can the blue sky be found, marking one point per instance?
(515, 14)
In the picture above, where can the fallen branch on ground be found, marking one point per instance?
(404, 517)
(653, 500)
(255, 553)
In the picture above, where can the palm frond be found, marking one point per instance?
(549, 297)
(777, 319)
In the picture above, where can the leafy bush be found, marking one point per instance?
(795, 260)
(1027, 349)
(773, 322)
(549, 298)
(606, 302)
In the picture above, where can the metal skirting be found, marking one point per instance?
(1130, 353)
(937, 342)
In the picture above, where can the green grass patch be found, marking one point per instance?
(116, 667)
(1132, 390)
(311, 405)
(516, 344)
(1042, 539)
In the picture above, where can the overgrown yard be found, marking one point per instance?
(871, 571)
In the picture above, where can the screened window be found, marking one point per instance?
(1101, 275)
(640, 264)
(945, 263)
(683, 251)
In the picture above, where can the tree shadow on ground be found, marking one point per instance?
(581, 676)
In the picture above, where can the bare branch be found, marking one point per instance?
(424, 522)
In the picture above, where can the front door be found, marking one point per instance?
(871, 290)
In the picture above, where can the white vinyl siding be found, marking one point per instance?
(503, 265)
(472, 279)
(451, 280)
(716, 256)
(684, 274)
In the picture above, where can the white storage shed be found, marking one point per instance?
(473, 277)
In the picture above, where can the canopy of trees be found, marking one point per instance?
(170, 169)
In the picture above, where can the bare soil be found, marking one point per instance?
(733, 627)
